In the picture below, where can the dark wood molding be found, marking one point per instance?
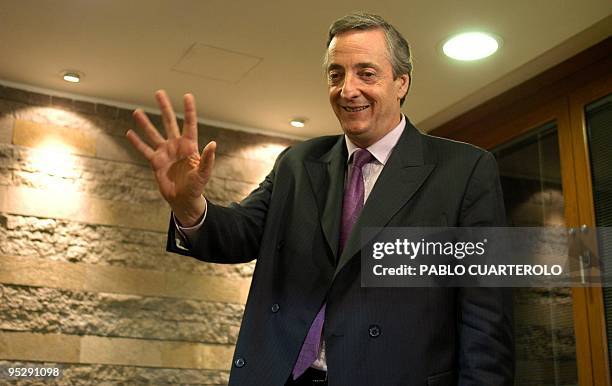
(556, 82)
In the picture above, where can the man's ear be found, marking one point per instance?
(403, 83)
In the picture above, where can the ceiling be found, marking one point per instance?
(255, 65)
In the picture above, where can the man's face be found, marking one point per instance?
(362, 91)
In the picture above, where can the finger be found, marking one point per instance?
(168, 117)
(145, 124)
(190, 129)
(207, 161)
(139, 145)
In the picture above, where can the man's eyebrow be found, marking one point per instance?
(367, 65)
(335, 66)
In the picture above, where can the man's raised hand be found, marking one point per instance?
(181, 172)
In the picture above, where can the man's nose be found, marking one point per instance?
(350, 87)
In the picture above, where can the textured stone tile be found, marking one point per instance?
(70, 241)
(233, 332)
(78, 223)
(64, 203)
(31, 134)
(6, 162)
(98, 207)
(223, 191)
(52, 310)
(109, 180)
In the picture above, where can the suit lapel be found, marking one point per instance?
(327, 179)
(403, 174)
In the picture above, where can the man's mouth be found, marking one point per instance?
(355, 109)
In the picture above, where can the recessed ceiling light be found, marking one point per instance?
(298, 122)
(471, 46)
(71, 76)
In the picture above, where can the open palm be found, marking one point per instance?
(181, 172)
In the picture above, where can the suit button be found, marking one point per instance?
(280, 245)
(374, 331)
(239, 362)
(275, 307)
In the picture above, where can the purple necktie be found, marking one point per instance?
(351, 206)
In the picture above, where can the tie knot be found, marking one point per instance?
(362, 157)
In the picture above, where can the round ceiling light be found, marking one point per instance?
(298, 122)
(71, 76)
(470, 46)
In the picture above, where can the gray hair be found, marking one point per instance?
(397, 47)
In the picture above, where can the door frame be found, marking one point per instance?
(558, 94)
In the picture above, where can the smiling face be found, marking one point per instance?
(362, 91)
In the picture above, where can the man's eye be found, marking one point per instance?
(368, 75)
(333, 76)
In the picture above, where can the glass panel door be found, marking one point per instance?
(598, 121)
(530, 172)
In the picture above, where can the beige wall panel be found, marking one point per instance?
(30, 134)
(198, 356)
(129, 215)
(64, 204)
(39, 347)
(106, 279)
(118, 149)
(123, 351)
(140, 352)
(211, 288)
(102, 278)
(113, 351)
(41, 273)
(3, 197)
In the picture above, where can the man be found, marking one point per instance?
(307, 320)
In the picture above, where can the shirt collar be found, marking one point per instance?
(381, 149)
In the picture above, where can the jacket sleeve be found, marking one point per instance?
(230, 234)
(485, 319)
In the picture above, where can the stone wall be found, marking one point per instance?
(85, 282)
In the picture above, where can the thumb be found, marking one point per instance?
(207, 161)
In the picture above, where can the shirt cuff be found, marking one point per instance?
(185, 235)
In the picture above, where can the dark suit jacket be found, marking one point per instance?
(374, 336)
